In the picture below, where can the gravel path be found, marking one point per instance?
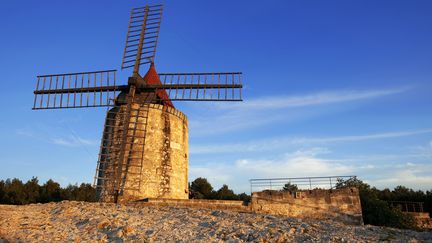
(95, 222)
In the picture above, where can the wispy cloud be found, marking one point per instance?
(74, 141)
(25, 132)
(71, 140)
(267, 110)
(423, 150)
(324, 97)
(278, 143)
(363, 137)
(296, 164)
(412, 175)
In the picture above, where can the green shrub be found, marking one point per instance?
(376, 211)
(16, 192)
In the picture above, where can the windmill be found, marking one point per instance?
(144, 145)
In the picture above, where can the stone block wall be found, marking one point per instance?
(339, 204)
(155, 159)
(229, 205)
(422, 220)
(165, 164)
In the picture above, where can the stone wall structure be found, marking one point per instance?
(422, 219)
(154, 161)
(229, 205)
(340, 204)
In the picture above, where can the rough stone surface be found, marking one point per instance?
(166, 154)
(339, 204)
(155, 161)
(231, 205)
(422, 219)
(105, 222)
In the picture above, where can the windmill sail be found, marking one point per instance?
(202, 86)
(74, 90)
(142, 36)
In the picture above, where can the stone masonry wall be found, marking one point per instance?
(422, 220)
(155, 161)
(341, 204)
(229, 205)
(165, 164)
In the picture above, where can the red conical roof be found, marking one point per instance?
(152, 77)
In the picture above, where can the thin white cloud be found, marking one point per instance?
(226, 117)
(356, 138)
(25, 132)
(278, 143)
(423, 150)
(299, 163)
(325, 97)
(74, 141)
(411, 175)
(296, 164)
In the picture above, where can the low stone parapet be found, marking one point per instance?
(232, 205)
(422, 219)
(338, 204)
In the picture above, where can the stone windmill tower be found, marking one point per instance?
(144, 145)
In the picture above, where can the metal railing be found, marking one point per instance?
(407, 206)
(300, 183)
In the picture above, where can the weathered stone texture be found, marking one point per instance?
(339, 204)
(231, 205)
(422, 220)
(155, 159)
(108, 222)
(165, 167)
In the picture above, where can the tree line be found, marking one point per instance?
(200, 188)
(14, 191)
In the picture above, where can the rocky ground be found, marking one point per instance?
(79, 221)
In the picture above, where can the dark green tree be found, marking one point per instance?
(200, 188)
(244, 197)
(376, 211)
(86, 192)
(386, 195)
(288, 187)
(428, 202)
(15, 193)
(2, 191)
(50, 192)
(69, 193)
(31, 189)
(224, 193)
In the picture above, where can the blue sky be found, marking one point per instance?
(330, 87)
